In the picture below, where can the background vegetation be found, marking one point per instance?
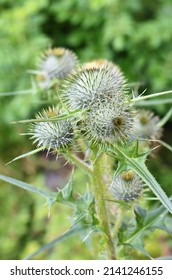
(137, 35)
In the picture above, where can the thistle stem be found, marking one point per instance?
(80, 163)
(99, 189)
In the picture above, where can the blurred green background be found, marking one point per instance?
(137, 35)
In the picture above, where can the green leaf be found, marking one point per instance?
(153, 102)
(73, 231)
(66, 194)
(49, 196)
(67, 190)
(21, 92)
(151, 95)
(52, 119)
(146, 221)
(141, 169)
(26, 154)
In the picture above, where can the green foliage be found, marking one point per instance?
(143, 222)
(132, 34)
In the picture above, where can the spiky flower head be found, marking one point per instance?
(92, 84)
(126, 186)
(56, 63)
(146, 125)
(52, 135)
(108, 122)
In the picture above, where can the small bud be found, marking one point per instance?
(126, 186)
(55, 63)
(55, 135)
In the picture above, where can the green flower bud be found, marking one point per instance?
(94, 83)
(126, 186)
(109, 122)
(55, 63)
(55, 135)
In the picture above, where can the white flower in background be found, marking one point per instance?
(146, 125)
(55, 63)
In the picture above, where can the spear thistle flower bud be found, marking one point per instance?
(93, 84)
(108, 122)
(52, 135)
(126, 186)
(55, 63)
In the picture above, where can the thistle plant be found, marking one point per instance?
(97, 114)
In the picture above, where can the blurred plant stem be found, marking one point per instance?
(119, 220)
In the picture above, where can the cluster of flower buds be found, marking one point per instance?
(100, 90)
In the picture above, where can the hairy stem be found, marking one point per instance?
(99, 189)
(80, 163)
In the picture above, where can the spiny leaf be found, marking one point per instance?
(151, 95)
(49, 196)
(52, 119)
(67, 190)
(153, 102)
(26, 154)
(141, 169)
(146, 221)
(66, 194)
